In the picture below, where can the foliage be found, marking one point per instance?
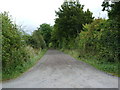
(35, 56)
(99, 39)
(69, 22)
(13, 48)
(98, 43)
(109, 42)
(114, 27)
(37, 40)
(17, 53)
(113, 10)
(74, 29)
(27, 39)
(45, 30)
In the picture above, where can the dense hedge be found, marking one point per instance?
(13, 47)
(100, 38)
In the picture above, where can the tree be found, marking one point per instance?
(45, 30)
(70, 20)
(37, 40)
(113, 10)
(112, 33)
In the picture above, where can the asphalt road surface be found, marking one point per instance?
(59, 70)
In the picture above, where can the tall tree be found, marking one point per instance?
(70, 20)
(45, 31)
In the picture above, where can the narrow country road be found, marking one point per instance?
(59, 70)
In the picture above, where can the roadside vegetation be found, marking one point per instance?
(76, 32)
(92, 40)
(20, 51)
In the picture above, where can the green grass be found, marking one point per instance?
(25, 67)
(108, 67)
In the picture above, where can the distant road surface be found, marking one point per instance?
(59, 70)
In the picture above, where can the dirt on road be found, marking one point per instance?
(59, 70)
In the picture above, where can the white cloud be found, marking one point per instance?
(32, 13)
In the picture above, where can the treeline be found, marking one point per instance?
(76, 30)
(40, 38)
(19, 50)
(70, 21)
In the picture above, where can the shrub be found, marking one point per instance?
(13, 47)
(100, 38)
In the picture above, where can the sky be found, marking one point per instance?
(31, 13)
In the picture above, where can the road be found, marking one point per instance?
(59, 70)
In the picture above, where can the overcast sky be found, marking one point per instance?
(31, 13)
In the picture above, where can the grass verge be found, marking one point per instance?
(24, 67)
(108, 67)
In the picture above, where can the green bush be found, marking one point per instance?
(13, 47)
(37, 40)
(109, 42)
(100, 38)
